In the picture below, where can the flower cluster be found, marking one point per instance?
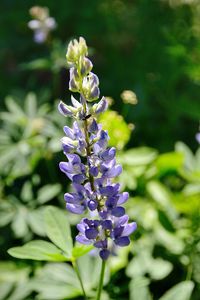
(42, 24)
(91, 164)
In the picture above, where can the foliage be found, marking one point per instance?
(153, 50)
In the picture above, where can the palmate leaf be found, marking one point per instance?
(38, 250)
(58, 229)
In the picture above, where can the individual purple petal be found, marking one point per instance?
(114, 172)
(101, 244)
(107, 224)
(117, 232)
(94, 78)
(108, 154)
(101, 106)
(74, 158)
(63, 166)
(111, 202)
(129, 228)
(122, 220)
(109, 190)
(123, 198)
(92, 205)
(103, 214)
(83, 240)
(93, 126)
(122, 241)
(69, 132)
(94, 93)
(81, 228)
(118, 211)
(104, 254)
(68, 145)
(78, 178)
(91, 233)
(75, 209)
(94, 171)
(71, 198)
(64, 109)
(75, 103)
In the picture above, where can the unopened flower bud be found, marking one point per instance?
(74, 80)
(75, 50)
(86, 66)
(90, 87)
(82, 46)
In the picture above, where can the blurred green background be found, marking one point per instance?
(151, 48)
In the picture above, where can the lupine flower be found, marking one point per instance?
(42, 24)
(91, 164)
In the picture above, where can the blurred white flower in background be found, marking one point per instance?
(42, 23)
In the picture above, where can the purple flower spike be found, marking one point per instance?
(91, 164)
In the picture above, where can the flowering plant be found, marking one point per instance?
(91, 165)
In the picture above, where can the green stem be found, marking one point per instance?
(75, 266)
(101, 280)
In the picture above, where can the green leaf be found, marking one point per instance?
(138, 156)
(90, 268)
(57, 281)
(159, 268)
(139, 289)
(36, 221)
(80, 250)
(48, 192)
(19, 224)
(159, 193)
(31, 105)
(58, 229)
(5, 289)
(38, 250)
(169, 161)
(181, 291)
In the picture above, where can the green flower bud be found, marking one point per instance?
(74, 84)
(85, 66)
(75, 50)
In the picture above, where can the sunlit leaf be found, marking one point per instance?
(181, 291)
(48, 192)
(38, 250)
(139, 289)
(58, 229)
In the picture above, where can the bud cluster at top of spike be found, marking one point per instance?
(91, 164)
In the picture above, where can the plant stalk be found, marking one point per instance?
(101, 280)
(76, 269)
